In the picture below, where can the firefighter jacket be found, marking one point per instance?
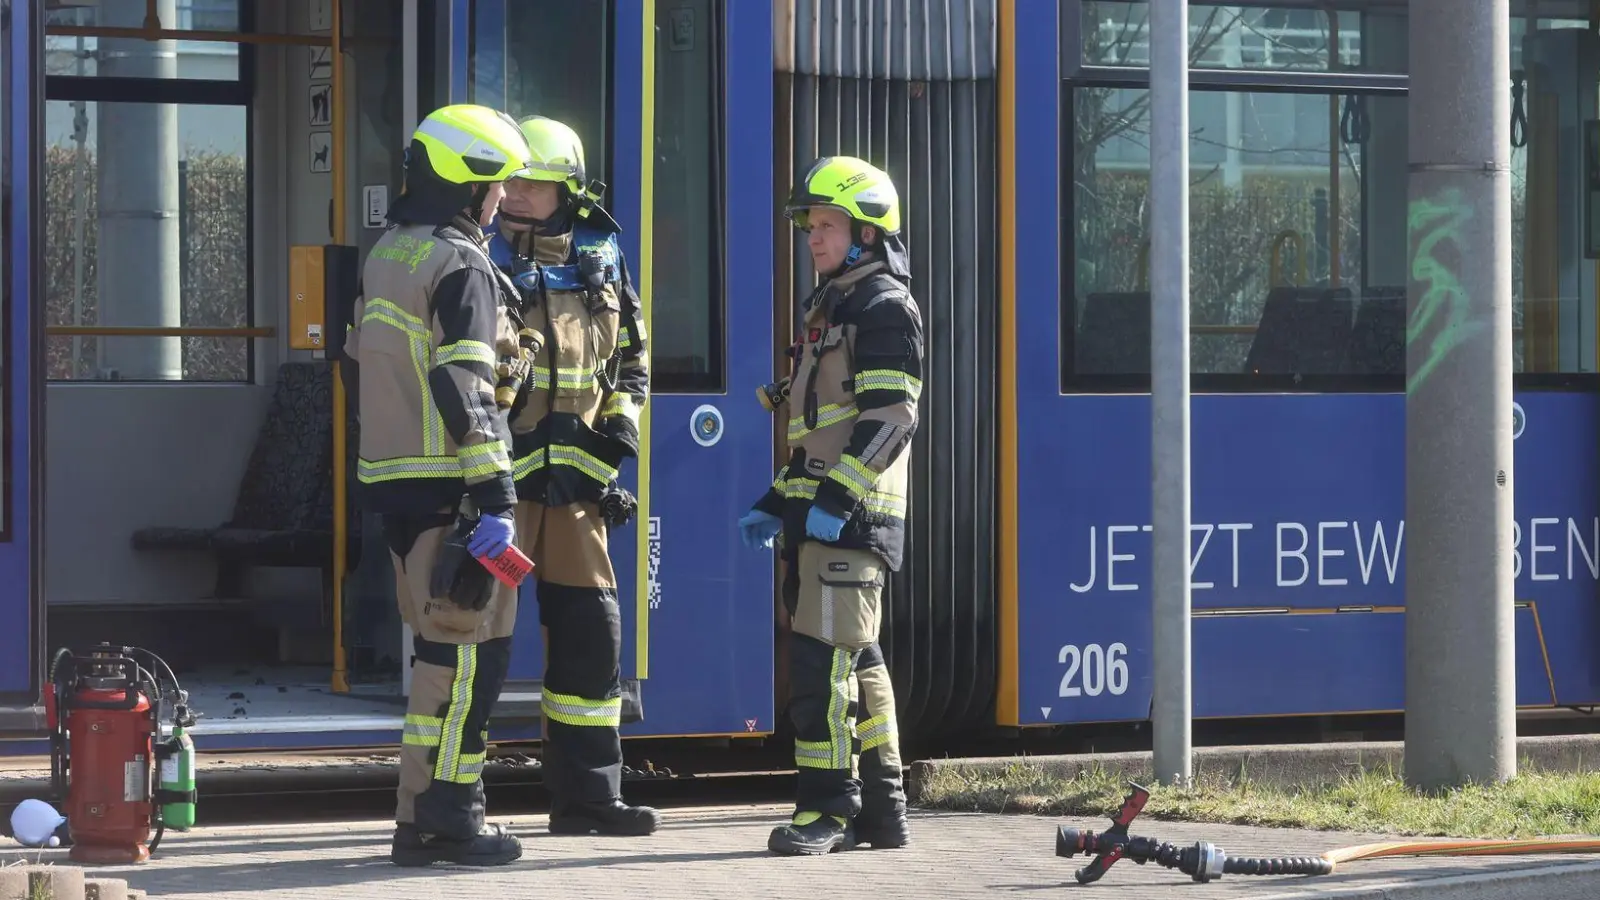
(429, 324)
(856, 379)
(578, 415)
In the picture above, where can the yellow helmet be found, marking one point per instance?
(853, 186)
(556, 153)
(467, 143)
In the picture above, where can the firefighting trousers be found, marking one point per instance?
(459, 664)
(841, 701)
(582, 687)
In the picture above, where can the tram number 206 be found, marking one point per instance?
(1093, 669)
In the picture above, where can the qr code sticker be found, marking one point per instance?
(653, 574)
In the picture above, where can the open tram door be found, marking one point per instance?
(188, 185)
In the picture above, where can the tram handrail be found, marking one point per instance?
(159, 331)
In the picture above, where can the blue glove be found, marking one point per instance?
(759, 528)
(492, 536)
(823, 525)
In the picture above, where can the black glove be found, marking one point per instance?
(456, 574)
(617, 506)
(621, 431)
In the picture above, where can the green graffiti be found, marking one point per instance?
(1435, 221)
(405, 250)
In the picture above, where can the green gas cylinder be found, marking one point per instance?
(177, 781)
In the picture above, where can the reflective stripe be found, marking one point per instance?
(588, 464)
(448, 765)
(369, 471)
(484, 460)
(813, 754)
(419, 336)
(469, 768)
(422, 731)
(563, 455)
(888, 380)
(465, 351)
(874, 732)
(878, 501)
(623, 404)
(527, 465)
(854, 475)
(570, 709)
(827, 414)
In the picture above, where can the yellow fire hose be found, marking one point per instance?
(1204, 861)
(1459, 847)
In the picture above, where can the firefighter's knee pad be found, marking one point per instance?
(839, 595)
(585, 649)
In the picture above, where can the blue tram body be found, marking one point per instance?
(1025, 598)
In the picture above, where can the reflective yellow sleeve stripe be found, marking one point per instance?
(888, 380)
(878, 501)
(483, 460)
(827, 414)
(622, 404)
(570, 709)
(465, 351)
(418, 334)
(624, 339)
(781, 482)
(874, 732)
(834, 753)
(854, 475)
(448, 767)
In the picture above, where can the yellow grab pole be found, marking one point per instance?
(341, 679)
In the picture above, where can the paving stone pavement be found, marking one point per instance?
(705, 853)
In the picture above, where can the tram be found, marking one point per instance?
(189, 184)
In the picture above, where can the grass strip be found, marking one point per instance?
(1534, 804)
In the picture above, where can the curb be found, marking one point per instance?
(1280, 765)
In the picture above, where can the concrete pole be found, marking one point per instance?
(1169, 386)
(1460, 686)
(138, 255)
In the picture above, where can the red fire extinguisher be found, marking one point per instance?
(104, 712)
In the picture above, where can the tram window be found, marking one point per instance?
(686, 274)
(1116, 33)
(109, 263)
(1297, 237)
(88, 56)
(557, 64)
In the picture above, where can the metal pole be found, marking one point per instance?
(1460, 686)
(1169, 386)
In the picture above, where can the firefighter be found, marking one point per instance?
(584, 379)
(840, 505)
(435, 463)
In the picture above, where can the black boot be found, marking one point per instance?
(494, 846)
(615, 818)
(812, 834)
(883, 832)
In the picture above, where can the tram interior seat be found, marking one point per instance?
(1378, 341)
(1302, 331)
(283, 512)
(1113, 334)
